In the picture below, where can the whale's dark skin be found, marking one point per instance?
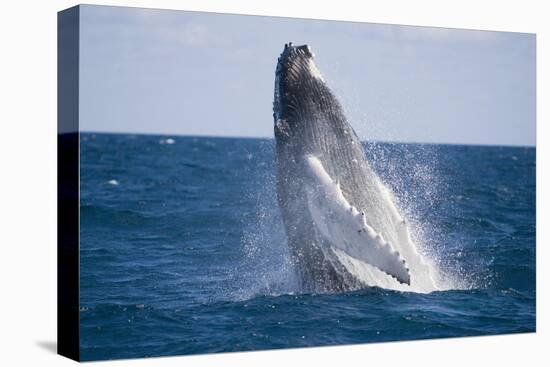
(309, 120)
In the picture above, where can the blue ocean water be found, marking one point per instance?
(182, 249)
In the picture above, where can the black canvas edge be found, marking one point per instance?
(68, 157)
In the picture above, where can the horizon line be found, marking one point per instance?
(272, 138)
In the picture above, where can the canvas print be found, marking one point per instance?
(251, 183)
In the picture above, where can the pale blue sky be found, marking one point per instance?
(189, 73)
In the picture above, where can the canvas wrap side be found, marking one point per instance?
(68, 336)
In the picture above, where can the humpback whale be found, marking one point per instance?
(344, 232)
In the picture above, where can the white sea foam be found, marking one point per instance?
(168, 141)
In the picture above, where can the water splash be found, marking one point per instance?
(410, 181)
(416, 183)
(265, 267)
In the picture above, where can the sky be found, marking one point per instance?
(192, 73)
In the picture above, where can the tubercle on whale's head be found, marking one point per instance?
(296, 70)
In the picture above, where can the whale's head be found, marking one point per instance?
(303, 103)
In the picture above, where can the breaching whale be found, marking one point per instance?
(344, 231)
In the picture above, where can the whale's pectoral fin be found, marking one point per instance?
(346, 227)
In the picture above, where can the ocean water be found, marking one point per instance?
(183, 250)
